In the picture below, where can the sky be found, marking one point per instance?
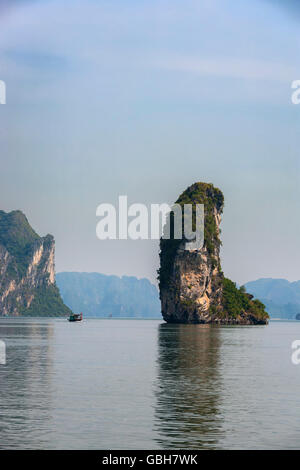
(139, 98)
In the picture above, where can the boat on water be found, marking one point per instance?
(75, 317)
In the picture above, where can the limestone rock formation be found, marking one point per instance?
(27, 276)
(193, 288)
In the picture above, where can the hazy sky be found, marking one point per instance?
(143, 98)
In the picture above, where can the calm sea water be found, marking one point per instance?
(133, 384)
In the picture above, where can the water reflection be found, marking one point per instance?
(25, 386)
(188, 387)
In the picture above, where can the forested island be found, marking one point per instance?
(193, 288)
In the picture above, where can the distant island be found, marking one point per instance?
(193, 288)
(281, 297)
(27, 276)
(100, 295)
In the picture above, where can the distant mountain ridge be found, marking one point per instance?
(281, 297)
(100, 295)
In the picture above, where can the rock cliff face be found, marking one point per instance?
(192, 286)
(27, 276)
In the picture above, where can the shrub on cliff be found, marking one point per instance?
(237, 301)
(47, 302)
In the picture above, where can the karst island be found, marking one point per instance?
(193, 288)
(27, 274)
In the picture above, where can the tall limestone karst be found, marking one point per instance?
(27, 277)
(193, 288)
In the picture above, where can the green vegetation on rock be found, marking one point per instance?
(236, 302)
(27, 281)
(17, 236)
(211, 197)
(197, 193)
(46, 303)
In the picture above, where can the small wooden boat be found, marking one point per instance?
(75, 317)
